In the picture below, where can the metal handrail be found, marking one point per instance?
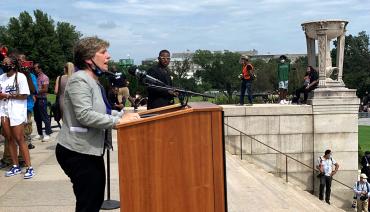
(286, 156)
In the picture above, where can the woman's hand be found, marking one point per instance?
(127, 117)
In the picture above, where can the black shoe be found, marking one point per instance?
(327, 201)
(3, 165)
(31, 146)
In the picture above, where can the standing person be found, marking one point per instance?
(40, 108)
(32, 84)
(362, 192)
(325, 165)
(80, 145)
(247, 78)
(59, 89)
(365, 163)
(311, 81)
(13, 112)
(30, 105)
(283, 70)
(113, 100)
(160, 97)
(365, 102)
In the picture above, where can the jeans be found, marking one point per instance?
(325, 181)
(304, 91)
(41, 115)
(246, 85)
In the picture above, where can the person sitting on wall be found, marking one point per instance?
(311, 80)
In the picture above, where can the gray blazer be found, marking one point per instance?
(84, 116)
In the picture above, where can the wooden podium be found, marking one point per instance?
(173, 160)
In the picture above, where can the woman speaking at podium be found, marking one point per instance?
(86, 115)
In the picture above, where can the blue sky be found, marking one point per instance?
(141, 28)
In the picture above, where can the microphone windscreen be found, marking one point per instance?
(132, 70)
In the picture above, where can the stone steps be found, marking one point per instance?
(250, 188)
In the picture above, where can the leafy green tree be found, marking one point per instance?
(67, 36)
(356, 65)
(266, 76)
(179, 73)
(220, 70)
(41, 41)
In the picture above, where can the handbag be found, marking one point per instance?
(55, 108)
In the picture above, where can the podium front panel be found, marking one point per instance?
(173, 164)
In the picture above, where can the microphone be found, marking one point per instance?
(109, 73)
(133, 70)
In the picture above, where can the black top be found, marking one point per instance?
(118, 80)
(313, 76)
(159, 97)
(113, 100)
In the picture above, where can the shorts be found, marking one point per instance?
(283, 85)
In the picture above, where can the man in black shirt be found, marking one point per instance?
(160, 97)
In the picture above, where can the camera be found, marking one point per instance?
(363, 197)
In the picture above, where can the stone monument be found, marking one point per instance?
(334, 107)
(331, 88)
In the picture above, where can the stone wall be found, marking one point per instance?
(303, 134)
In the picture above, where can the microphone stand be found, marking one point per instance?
(109, 204)
(183, 96)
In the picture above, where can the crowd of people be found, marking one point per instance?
(23, 87)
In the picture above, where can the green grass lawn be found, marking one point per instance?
(364, 137)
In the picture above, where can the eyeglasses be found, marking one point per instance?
(165, 58)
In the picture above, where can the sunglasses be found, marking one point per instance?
(165, 58)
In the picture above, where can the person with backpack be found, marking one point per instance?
(325, 166)
(247, 77)
(362, 193)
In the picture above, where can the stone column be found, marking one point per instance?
(311, 51)
(322, 43)
(340, 57)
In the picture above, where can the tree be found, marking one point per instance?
(41, 41)
(356, 65)
(67, 36)
(179, 72)
(220, 70)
